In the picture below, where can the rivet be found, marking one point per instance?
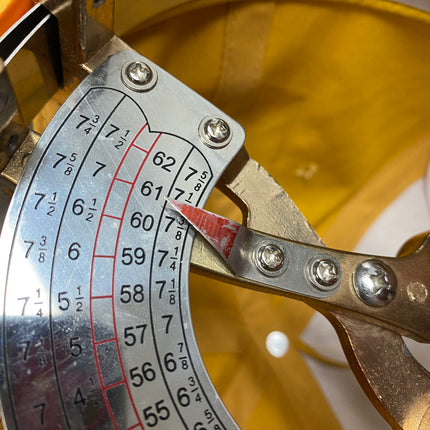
(270, 259)
(417, 292)
(325, 272)
(214, 132)
(138, 76)
(375, 283)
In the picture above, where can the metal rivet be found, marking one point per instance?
(417, 292)
(375, 283)
(270, 258)
(325, 272)
(138, 76)
(214, 132)
(139, 73)
(217, 130)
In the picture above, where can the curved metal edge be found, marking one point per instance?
(397, 385)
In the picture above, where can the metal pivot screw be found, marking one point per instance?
(375, 283)
(214, 132)
(270, 259)
(139, 73)
(138, 76)
(324, 273)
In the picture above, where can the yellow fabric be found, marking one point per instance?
(341, 87)
(365, 205)
(11, 11)
(329, 93)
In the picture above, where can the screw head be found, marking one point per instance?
(139, 73)
(375, 283)
(138, 76)
(214, 132)
(217, 130)
(324, 272)
(270, 259)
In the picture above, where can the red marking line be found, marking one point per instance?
(111, 216)
(115, 384)
(219, 231)
(123, 180)
(135, 427)
(138, 147)
(101, 342)
(104, 256)
(101, 297)
(121, 219)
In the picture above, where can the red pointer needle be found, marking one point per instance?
(219, 231)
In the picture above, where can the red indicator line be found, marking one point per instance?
(115, 339)
(111, 216)
(113, 277)
(220, 232)
(110, 410)
(101, 342)
(102, 297)
(134, 427)
(110, 297)
(155, 141)
(123, 180)
(115, 384)
(138, 147)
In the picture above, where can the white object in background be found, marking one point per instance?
(277, 343)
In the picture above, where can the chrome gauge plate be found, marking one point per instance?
(97, 330)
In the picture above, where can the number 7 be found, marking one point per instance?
(42, 411)
(30, 244)
(26, 299)
(169, 320)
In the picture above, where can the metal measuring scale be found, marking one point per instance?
(97, 329)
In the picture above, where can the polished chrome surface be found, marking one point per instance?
(97, 330)
(215, 132)
(375, 283)
(324, 272)
(138, 76)
(270, 258)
